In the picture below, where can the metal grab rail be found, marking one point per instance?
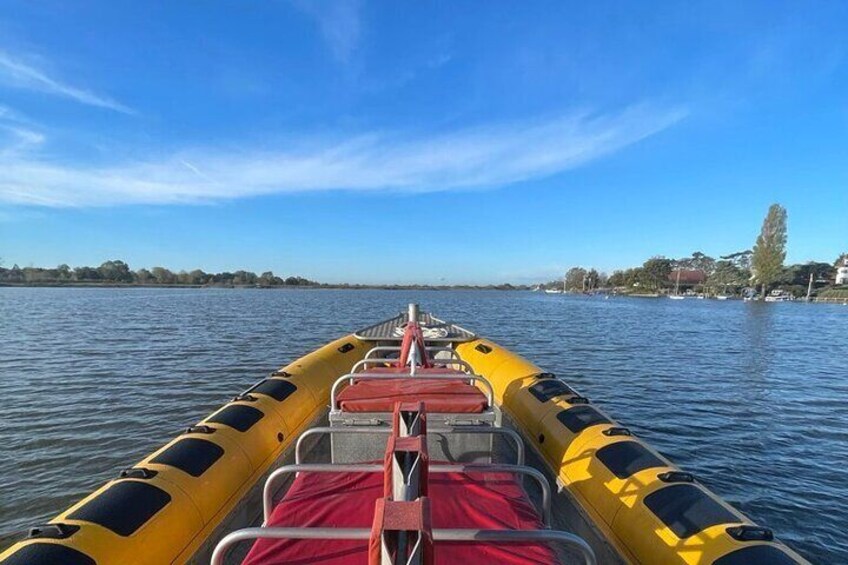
(273, 478)
(512, 434)
(490, 391)
(571, 541)
(444, 362)
(379, 348)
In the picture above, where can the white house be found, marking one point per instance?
(842, 272)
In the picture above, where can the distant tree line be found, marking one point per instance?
(761, 266)
(118, 272)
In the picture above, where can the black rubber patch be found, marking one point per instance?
(756, 555)
(687, 510)
(52, 531)
(346, 347)
(548, 388)
(237, 416)
(200, 429)
(124, 507)
(749, 532)
(191, 455)
(48, 554)
(277, 389)
(579, 418)
(626, 458)
(617, 431)
(483, 348)
(137, 473)
(676, 477)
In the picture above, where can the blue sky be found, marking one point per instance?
(418, 141)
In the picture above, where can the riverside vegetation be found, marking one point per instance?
(762, 266)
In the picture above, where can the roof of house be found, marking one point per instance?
(688, 276)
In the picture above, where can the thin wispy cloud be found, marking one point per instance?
(16, 73)
(339, 22)
(482, 157)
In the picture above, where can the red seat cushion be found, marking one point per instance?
(457, 500)
(439, 396)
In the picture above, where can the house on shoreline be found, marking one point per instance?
(689, 278)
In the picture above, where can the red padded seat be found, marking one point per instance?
(438, 395)
(457, 500)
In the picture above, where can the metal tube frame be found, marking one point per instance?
(490, 391)
(445, 362)
(274, 477)
(330, 430)
(571, 541)
(388, 348)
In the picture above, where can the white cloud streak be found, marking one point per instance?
(339, 22)
(18, 74)
(482, 157)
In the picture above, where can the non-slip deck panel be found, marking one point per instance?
(756, 555)
(191, 455)
(124, 507)
(548, 388)
(627, 458)
(237, 416)
(48, 554)
(579, 418)
(277, 389)
(687, 510)
(435, 330)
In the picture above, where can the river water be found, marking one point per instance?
(750, 397)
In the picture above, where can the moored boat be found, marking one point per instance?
(410, 441)
(779, 296)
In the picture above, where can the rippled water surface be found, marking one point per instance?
(751, 397)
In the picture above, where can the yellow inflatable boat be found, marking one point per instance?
(410, 441)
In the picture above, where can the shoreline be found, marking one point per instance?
(265, 287)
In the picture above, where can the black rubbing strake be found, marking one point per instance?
(191, 455)
(277, 389)
(579, 418)
(124, 507)
(756, 555)
(237, 416)
(687, 510)
(548, 388)
(48, 554)
(626, 458)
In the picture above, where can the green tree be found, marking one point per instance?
(770, 249)
(593, 279)
(143, 276)
(115, 270)
(574, 278)
(727, 273)
(742, 259)
(163, 275)
(63, 272)
(86, 274)
(701, 262)
(655, 271)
